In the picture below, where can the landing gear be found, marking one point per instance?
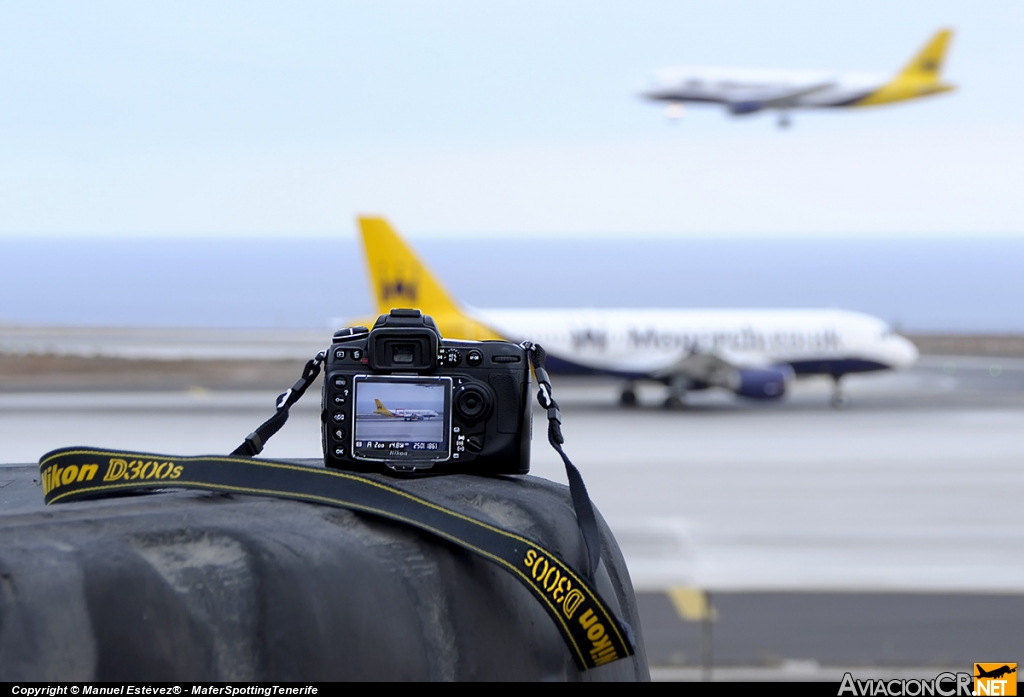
(676, 392)
(839, 399)
(628, 396)
(673, 402)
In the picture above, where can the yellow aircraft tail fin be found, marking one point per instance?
(920, 77)
(926, 66)
(381, 409)
(399, 278)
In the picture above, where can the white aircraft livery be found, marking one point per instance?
(753, 353)
(748, 91)
(407, 414)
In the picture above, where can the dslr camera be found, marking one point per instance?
(400, 398)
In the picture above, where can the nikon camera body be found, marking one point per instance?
(400, 398)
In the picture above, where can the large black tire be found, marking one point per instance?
(186, 586)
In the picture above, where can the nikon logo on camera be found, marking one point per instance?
(140, 469)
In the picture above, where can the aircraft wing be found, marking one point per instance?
(716, 368)
(750, 101)
(748, 375)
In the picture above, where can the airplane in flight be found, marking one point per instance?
(753, 353)
(407, 414)
(751, 90)
(996, 672)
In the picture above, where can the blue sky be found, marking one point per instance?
(463, 118)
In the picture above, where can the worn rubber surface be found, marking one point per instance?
(193, 586)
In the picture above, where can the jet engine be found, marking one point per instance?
(740, 108)
(762, 383)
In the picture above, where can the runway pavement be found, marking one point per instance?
(900, 511)
(373, 427)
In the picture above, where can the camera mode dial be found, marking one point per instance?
(349, 333)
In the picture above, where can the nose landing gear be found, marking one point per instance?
(839, 399)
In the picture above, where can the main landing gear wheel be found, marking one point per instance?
(676, 391)
(628, 397)
(674, 402)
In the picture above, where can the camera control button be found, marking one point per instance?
(340, 381)
(356, 354)
(339, 451)
(472, 402)
(339, 400)
(338, 416)
(474, 358)
(339, 353)
(339, 433)
(474, 444)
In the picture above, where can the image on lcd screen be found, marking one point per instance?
(403, 415)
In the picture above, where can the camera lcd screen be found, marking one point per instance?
(402, 418)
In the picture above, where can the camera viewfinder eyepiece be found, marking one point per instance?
(404, 340)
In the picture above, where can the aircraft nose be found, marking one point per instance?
(903, 351)
(655, 93)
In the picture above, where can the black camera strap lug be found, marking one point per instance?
(254, 442)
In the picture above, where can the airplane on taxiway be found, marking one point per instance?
(751, 90)
(407, 414)
(753, 353)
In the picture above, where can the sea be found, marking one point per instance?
(956, 285)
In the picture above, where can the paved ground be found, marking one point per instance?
(812, 631)
(912, 487)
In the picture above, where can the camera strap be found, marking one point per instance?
(593, 634)
(254, 442)
(585, 517)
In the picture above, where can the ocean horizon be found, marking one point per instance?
(918, 284)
